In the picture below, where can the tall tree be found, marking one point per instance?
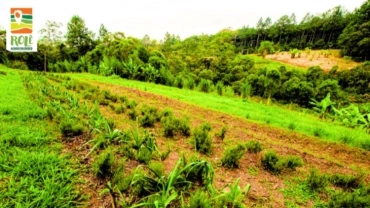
(51, 35)
(102, 32)
(266, 27)
(79, 37)
(260, 24)
(355, 38)
(146, 40)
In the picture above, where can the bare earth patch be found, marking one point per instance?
(317, 60)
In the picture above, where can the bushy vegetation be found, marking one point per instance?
(232, 156)
(270, 161)
(172, 125)
(253, 146)
(317, 181)
(201, 138)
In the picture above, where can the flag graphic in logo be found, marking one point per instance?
(21, 20)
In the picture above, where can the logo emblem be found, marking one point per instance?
(21, 20)
(21, 34)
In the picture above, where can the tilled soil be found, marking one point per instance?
(327, 157)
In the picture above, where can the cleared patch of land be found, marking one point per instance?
(314, 58)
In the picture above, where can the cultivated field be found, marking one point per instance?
(93, 141)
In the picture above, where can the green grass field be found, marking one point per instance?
(33, 173)
(272, 115)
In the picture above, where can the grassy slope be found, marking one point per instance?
(274, 116)
(32, 172)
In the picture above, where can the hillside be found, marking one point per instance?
(135, 125)
(265, 116)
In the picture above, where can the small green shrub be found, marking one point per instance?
(122, 182)
(318, 131)
(166, 112)
(291, 162)
(149, 116)
(222, 133)
(269, 161)
(18, 65)
(184, 126)
(348, 58)
(147, 120)
(171, 125)
(102, 165)
(103, 101)
(69, 128)
(201, 138)
(128, 151)
(316, 181)
(358, 198)
(87, 95)
(204, 85)
(253, 146)
(109, 96)
(347, 181)
(190, 83)
(119, 109)
(132, 113)
(200, 199)
(131, 104)
(157, 168)
(6, 111)
(111, 106)
(272, 162)
(220, 88)
(292, 125)
(179, 82)
(144, 155)
(229, 91)
(123, 99)
(347, 138)
(232, 156)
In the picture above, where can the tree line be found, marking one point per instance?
(214, 62)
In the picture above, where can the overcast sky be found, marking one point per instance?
(156, 17)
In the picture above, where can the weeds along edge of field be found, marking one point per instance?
(32, 171)
(147, 116)
(258, 113)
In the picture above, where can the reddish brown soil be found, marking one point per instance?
(91, 184)
(327, 157)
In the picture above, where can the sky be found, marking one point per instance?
(138, 18)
